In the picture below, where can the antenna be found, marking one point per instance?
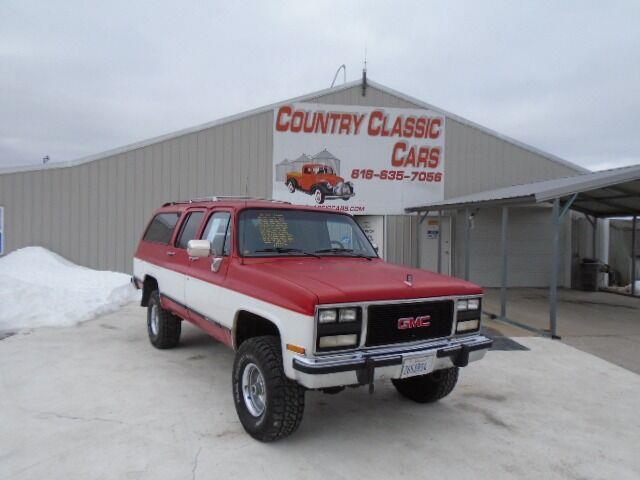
(342, 67)
(364, 74)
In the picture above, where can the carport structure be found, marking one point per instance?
(604, 194)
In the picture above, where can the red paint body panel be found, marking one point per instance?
(174, 307)
(298, 283)
(301, 283)
(218, 332)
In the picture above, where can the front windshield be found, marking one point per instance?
(266, 233)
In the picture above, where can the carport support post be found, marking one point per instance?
(440, 241)
(633, 255)
(557, 215)
(555, 260)
(503, 288)
(467, 239)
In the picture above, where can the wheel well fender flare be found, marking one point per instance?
(248, 323)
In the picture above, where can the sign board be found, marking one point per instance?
(1, 230)
(433, 228)
(362, 160)
(373, 227)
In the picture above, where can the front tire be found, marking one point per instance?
(291, 185)
(428, 388)
(270, 406)
(318, 195)
(163, 327)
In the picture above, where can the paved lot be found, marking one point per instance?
(97, 401)
(601, 323)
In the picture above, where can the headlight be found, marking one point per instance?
(348, 314)
(337, 341)
(338, 328)
(470, 304)
(327, 316)
(467, 326)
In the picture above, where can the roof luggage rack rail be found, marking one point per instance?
(219, 198)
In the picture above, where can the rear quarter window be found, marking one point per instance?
(161, 228)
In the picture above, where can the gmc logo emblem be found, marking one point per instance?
(414, 322)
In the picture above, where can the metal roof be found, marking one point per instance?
(606, 193)
(303, 98)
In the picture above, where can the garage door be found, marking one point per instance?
(530, 247)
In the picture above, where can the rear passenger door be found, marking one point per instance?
(188, 230)
(205, 293)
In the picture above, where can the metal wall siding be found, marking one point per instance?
(93, 214)
(477, 161)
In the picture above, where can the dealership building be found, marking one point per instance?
(388, 151)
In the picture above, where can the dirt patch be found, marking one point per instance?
(197, 357)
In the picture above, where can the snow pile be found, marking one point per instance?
(39, 288)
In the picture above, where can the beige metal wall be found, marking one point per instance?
(94, 213)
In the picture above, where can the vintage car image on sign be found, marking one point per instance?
(320, 181)
(301, 296)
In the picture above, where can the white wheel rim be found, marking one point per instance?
(253, 390)
(291, 187)
(154, 320)
(318, 196)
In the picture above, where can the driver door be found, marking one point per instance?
(204, 288)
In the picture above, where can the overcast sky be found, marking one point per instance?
(77, 78)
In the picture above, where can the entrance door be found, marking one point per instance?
(429, 231)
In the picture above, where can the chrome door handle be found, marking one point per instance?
(193, 259)
(171, 254)
(216, 263)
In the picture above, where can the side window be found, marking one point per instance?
(161, 228)
(189, 229)
(218, 232)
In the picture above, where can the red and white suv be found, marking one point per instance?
(301, 296)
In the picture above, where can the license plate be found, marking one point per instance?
(416, 366)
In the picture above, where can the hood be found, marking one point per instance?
(342, 280)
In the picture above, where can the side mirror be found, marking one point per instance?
(199, 248)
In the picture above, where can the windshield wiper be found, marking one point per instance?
(349, 251)
(286, 250)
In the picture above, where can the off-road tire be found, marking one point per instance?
(428, 388)
(291, 185)
(284, 405)
(169, 326)
(318, 195)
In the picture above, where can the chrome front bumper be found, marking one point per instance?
(364, 367)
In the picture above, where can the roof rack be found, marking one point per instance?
(219, 198)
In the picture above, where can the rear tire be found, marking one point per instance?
(270, 406)
(163, 327)
(428, 388)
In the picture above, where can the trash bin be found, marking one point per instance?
(589, 273)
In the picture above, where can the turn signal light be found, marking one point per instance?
(296, 349)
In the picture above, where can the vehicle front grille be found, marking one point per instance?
(382, 323)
